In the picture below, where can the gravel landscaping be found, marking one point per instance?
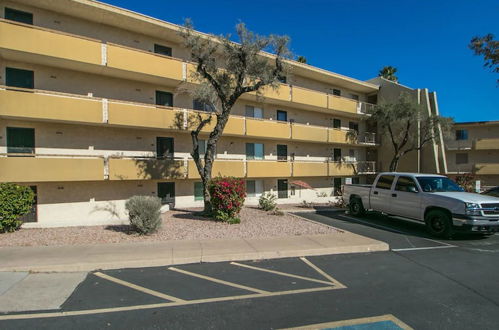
(177, 225)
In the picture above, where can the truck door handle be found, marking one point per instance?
(375, 192)
(394, 195)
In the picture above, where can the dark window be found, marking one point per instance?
(385, 182)
(282, 188)
(461, 158)
(19, 78)
(166, 192)
(164, 98)
(353, 126)
(282, 115)
(20, 140)
(202, 146)
(18, 16)
(282, 79)
(354, 97)
(336, 123)
(282, 152)
(198, 191)
(337, 186)
(162, 50)
(336, 92)
(251, 188)
(355, 180)
(407, 184)
(337, 154)
(254, 151)
(202, 106)
(462, 134)
(164, 148)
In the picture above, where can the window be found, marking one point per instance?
(253, 112)
(337, 186)
(282, 79)
(353, 126)
(336, 123)
(461, 158)
(292, 190)
(202, 106)
(202, 146)
(20, 140)
(164, 147)
(282, 152)
(164, 98)
(354, 97)
(198, 191)
(385, 182)
(406, 184)
(462, 134)
(336, 92)
(355, 180)
(254, 151)
(18, 16)
(251, 188)
(282, 115)
(337, 154)
(19, 78)
(162, 50)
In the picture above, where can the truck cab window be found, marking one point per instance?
(385, 182)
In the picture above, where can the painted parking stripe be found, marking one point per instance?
(281, 273)
(323, 273)
(138, 288)
(424, 248)
(377, 322)
(216, 280)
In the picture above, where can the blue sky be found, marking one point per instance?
(426, 40)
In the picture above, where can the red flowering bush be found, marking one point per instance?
(227, 198)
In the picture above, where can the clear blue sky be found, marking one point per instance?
(425, 39)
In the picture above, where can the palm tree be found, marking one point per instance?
(388, 72)
(301, 59)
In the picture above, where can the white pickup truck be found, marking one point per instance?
(432, 199)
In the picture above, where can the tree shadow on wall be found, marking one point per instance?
(158, 169)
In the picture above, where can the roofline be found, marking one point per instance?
(477, 123)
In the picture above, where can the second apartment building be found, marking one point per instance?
(90, 115)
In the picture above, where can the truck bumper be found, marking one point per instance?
(475, 223)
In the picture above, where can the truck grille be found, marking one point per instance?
(494, 208)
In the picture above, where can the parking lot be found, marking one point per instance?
(422, 283)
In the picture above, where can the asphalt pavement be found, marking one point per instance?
(422, 283)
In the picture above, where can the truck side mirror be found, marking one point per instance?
(412, 189)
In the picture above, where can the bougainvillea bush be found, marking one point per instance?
(227, 198)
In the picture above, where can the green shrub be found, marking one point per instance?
(15, 201)
(227, 198)
(267, 202)
(144, 213)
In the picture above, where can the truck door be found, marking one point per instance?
(381, 193)
(406, 199)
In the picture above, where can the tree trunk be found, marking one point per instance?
(394, 163)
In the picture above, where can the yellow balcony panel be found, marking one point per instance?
(338, 136)
(281, 94)
(341, 169)
(30, 39)
(221, 167)
(138, 115)
(309, 97)
(235, 126)
(194, 118)
(31, 169)
(487, 169)
(342, 104)
(145, 169)
(268, 169)
(129, 59)
(302, 169)
(267, 128)
(309, 133)
(487, 144)
(29, 105)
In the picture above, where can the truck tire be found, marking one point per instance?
(439, 224)
(356, 207)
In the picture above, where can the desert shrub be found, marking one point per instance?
(267, 202)
(144, 213)
(339, 202)
(277, 211)
(321, 194)
(466, 181)
(15, 201)
(307, 205)
(227, 198)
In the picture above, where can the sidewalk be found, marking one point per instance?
(77, 258)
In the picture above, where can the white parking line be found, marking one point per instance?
(425, 248)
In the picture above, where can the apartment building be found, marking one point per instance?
(91, 114)
(474, 148)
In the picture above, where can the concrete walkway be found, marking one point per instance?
(77, 258)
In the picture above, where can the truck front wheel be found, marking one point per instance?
(356, 207)
(439, 224)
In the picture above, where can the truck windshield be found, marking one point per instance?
(437, 184)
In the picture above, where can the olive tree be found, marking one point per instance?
(225, 70)
(487, 47)
(400, 122)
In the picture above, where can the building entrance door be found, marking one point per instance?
(282, 188)
(166, 192)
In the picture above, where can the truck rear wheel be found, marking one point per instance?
(439, 224)
(356, 207)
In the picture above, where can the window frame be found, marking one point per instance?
(162, 49)
(385, 176)
(406, 184)
(160, 94)
(21, 12)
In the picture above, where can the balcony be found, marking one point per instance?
(267, 129)
(302, 132)
(342, 104)
(235, 126)
(20, 103)
(338, 136)
(268, 169)
(487, 169)
(142, 115)
(145, 169)
(304, 169)
(129, 59)
(38, 169)
(341, 169)
(221, 167)
(309, 97)
(486, 144)
(50, 46)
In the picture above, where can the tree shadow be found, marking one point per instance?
(157, 169)
(125, 229)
